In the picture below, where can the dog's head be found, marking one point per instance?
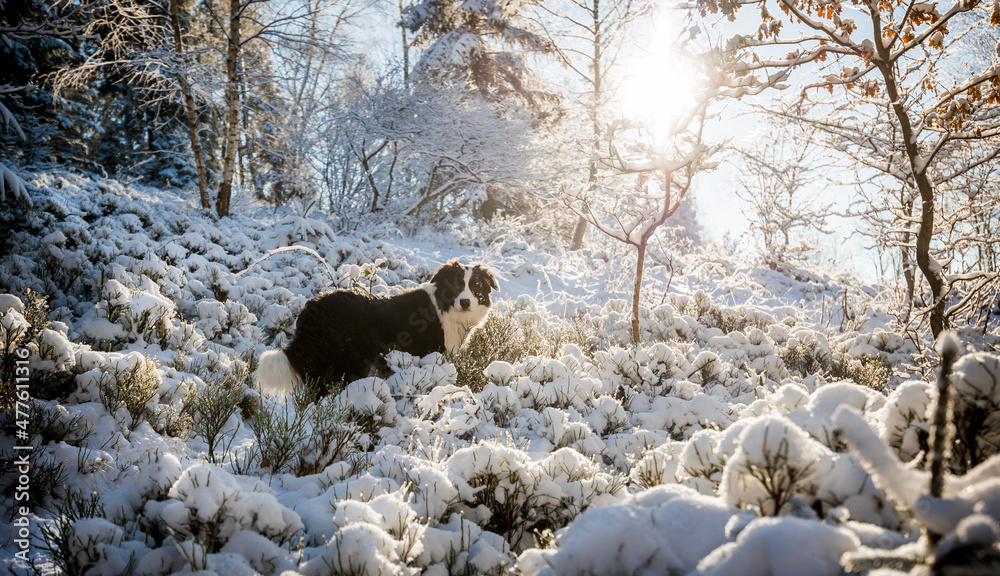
(464, 289)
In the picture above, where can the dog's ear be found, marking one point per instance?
(437, 275)
(440, 274)
(493, 279)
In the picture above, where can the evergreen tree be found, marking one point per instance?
(486, 42)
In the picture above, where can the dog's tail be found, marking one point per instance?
(275, 374)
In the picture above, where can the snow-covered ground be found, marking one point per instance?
(770, 422)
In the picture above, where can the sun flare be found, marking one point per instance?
(660, 82)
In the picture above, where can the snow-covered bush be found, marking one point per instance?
(977, 410)
(207, 505)
(665, 530)
(128, 389)
(775, 462)
(904, 420)
(212, 409)
(769, 546)
(280, 430)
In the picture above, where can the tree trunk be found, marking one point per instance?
(192, 113)
(406, 50)
(232, 96)
(595, 63)
(929, 267)
(640, 259)
(906, 257)
(578, 233)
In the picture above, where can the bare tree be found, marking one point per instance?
(588, 37)
(906, 69)
(780, 174)
(645, 177)
(189, 104)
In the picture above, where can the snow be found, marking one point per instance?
(781, 547)
(721, 443)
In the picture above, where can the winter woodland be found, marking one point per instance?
(648, 395)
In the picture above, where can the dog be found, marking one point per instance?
(341, 336)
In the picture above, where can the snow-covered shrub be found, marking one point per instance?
(280, 430)
(45, 422)
(142, 313)
(868, 370)
(207, 505)
(49, 352)
(14, 331)
(664, 530)
(503, 490)
(976, 399)
(225, 322)
(904, 420)
(504, 337)
(360, 549)
(460, 547)
(331, 437)
(807, 354)
(367, 403)
(769, 546)
(775, 461)
(294, 228)
(72, 551)
(157, 474)
(657, 466)
(701, 461)
(305, 433)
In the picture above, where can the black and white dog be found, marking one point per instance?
(342, 335)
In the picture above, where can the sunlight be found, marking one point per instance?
(659, 84)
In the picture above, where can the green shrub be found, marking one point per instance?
(279, 430)
(333, 439)
(806, 358)
(212, 408)
(47, 477)
(132, 388)
(870, 371)
(504, 337)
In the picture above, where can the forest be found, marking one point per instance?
(684, 369)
